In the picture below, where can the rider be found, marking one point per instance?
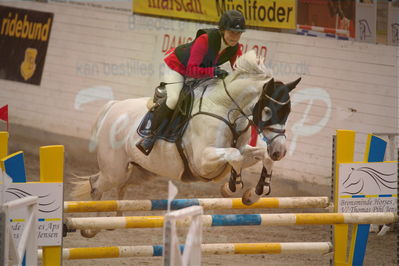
(199, 59)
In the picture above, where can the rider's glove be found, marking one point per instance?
(220, 73)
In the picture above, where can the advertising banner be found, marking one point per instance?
(393, 23)
(366, 22)
(50, 206)
(266, 13)
(24, 37)
(368, 187)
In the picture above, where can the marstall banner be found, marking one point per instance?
(266, 13)
(24, 37)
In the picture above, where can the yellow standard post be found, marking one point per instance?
(52, 170)
(3, 144)
(344, 153)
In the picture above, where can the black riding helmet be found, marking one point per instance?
(232, 20)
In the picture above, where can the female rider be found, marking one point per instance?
(200, 58)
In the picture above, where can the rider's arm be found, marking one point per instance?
(198, 51)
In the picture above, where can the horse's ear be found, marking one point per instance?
(293, 84)
(269, 87)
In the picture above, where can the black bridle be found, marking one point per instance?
(232, 125)
(279, 132)
(259, 126)
(233, 128)
(279, 116)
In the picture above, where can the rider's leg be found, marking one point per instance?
(159, 122)
(163, 113)
(172, 90)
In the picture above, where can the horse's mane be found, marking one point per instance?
(249, 63)
(248, 66)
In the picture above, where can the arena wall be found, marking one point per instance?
(98, 52)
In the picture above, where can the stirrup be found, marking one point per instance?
(146, 149)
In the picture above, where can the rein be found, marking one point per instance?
(280, 132)
(232, 126)
(188, 175)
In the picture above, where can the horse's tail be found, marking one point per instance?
(98, 124)
(81, 187)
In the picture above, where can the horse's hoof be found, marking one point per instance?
(88, 233)
(225, 190)
(250, 197)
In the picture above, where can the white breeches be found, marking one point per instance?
(172, 90)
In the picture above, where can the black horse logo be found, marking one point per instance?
(395, 33)
(364, 29)
(359, 179)
(44, 205)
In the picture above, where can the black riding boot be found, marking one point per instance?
(159, 122)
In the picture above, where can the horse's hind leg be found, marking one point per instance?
(98, 187)
(121, 190)
(101, 183)
(96, 193)
(121, 193)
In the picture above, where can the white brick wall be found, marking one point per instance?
(345, 85)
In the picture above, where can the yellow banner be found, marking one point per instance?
(262, 13)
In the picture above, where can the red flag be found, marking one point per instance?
(4, 114)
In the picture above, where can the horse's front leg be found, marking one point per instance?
(250, 156)
(263, 187)
(215, 159)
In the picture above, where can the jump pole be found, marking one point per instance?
(320, 248)
(98, 223)
(206, 203)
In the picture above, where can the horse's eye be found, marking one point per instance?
(266, 114)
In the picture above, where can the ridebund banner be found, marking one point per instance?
(24, 37)
(262, 13)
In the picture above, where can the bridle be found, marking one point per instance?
(232, 125)
(279, 132)
(235, 177)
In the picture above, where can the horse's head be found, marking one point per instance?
(270, 115)
(250, 89)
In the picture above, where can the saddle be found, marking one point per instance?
(181, 116)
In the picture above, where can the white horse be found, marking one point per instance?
(214, 143)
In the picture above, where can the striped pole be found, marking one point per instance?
(324, 29)
(234, 220)
(207, 204)
(320, 248)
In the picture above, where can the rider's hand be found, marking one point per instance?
(220, 73)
